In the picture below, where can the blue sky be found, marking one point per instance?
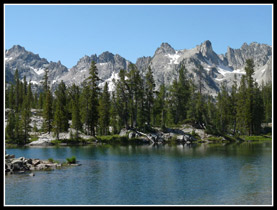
(68, 32)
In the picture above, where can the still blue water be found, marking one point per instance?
(207, 174)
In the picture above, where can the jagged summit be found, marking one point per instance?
(206, 48)
(164, 63)
(165, 48)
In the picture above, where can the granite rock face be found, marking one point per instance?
(216, 68)
(30, 65)
(165, 64)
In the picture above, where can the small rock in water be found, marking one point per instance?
(31, 174)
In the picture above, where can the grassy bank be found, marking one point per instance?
(257, 138)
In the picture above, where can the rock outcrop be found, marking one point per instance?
(22, 164)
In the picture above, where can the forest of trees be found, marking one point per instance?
(137, 104)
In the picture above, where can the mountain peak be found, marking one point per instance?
(17, 49)
(105, 57)
(165, 48)
(206, 47)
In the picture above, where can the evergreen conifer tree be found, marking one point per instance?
(75, 109)
(48, 112)
(25, 120)
(104, 111)
(93, 81)
(149, 94)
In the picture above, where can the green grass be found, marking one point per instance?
(34, 138)
(112, 138)
(256, 138)
(51, 160)
(214, 138)
(71, 160)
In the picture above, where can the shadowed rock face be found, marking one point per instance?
(165, 64)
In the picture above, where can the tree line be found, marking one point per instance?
(136, 103)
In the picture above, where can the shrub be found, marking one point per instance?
(71, 160)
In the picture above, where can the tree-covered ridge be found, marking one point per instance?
(136, 104)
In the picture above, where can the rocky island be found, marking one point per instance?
(25, 165)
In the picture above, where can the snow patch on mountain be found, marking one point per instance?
(110, 81)
(8, 59)
(38, 71)
(102, 64)
(173, 58)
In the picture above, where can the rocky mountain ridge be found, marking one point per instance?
(165, 62)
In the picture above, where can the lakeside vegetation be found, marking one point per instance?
(235, 114)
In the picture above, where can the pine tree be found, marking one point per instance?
(191, 113)
(40, 100)
(133, 85)
(178, 96)
(200, 110)
(114, 116)
(11, 98)
(210, 117)
(173, 114)
(241, 106)
(122, 99)
(35, 101)
(75, 109)
(85, 109)
(24, 86)
(17, 84)
(48, 112)
(267, 101)
(233, 107)
(184, 93)
(62, 100)
(104, 111)
(21, 95)
(223, 109)
(45, 81)
(7, 90)
(25, 119)
(17, 129)
(10, 127)
(160, 107)
(149, 94)
(249, 69)
(258, 109)
(30, 99)
(57, 122)
(93, 81)
(60, 123)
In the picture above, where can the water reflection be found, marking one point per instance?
(196, 174)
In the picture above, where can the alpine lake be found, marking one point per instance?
(194, 174)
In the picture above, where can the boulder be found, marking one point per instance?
(41, 166)
(7, 156)
(17, 165)
(29, 161)
(123, 132)
(180, 138)
(35, 162)
(186, 137)
(132, 135)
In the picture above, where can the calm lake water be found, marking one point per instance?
(206, 174)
